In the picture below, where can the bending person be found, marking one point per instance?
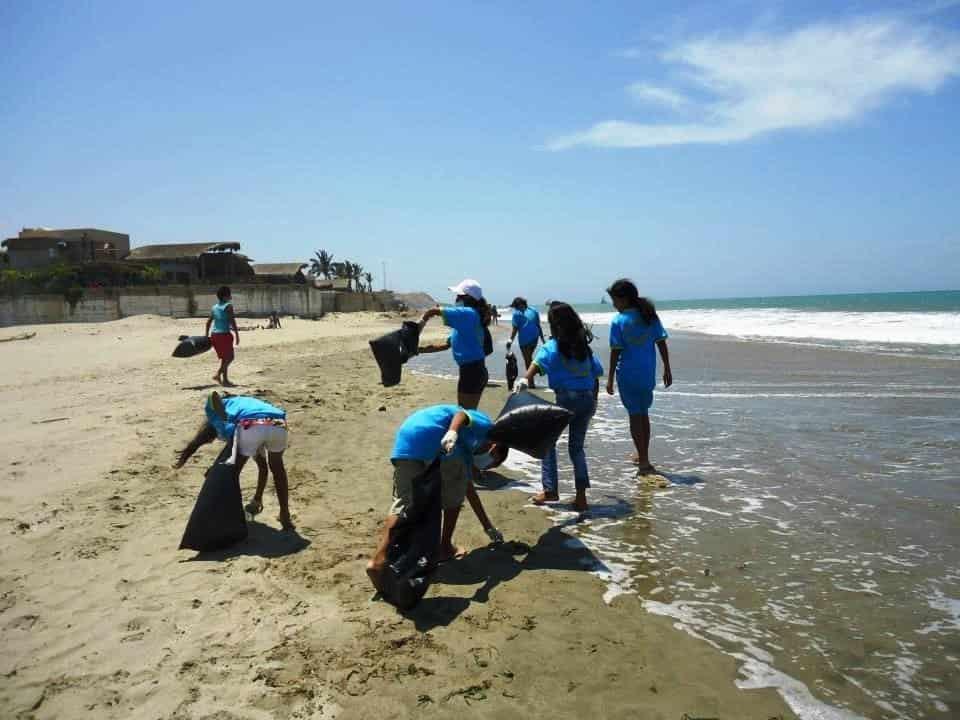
(459, 438)
(254, 427)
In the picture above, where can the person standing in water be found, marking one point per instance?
(223, 321)
(634, 333)
(526, 324)
(573, 372)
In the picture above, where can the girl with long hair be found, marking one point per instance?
(573, 372)
(634, 333)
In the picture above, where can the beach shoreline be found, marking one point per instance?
(102, 614)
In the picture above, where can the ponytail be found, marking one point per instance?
(626, 290)
(566, 327)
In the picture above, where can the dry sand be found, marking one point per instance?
(103, 617)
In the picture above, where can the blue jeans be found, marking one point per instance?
(583, 405)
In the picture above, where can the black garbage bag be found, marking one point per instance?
(393, 349)
(512, 370)
(416, 538)
(191, 345)
(530, 424)
(217, 520)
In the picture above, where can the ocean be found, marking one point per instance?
(812, 525)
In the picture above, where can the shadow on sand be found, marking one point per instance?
(492, 565)
(262, 541)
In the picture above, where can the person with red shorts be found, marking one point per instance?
(223, 321)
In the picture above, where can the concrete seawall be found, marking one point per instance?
(103, 304)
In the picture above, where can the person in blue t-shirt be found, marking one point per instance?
(634, 333)
(469, 339)
(526, 329)
(458, 437)
(255, 428)
(223, 320)
(573, 372)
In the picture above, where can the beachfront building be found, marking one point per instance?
(280, 272)
(35, 248)
(193, 262)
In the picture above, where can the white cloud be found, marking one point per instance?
(818, 76)
(653, 95)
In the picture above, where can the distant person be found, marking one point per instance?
(526, 325)
(255, 427)
(573, 372)
(469, 340)
(495, 314)
(458, 438)
(223, 320)
(634, 332)
(274, 322)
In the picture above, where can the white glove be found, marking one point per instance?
(448, 441)
(521, 386)
(496, 537)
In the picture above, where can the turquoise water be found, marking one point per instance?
(935, 301)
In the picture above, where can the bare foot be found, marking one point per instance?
(286, 522)
(647, 469)
(375, 573)
(544, 497)
(216, 378)
(227, 383)
(580, 504)
(450, 552)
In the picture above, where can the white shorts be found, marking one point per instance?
(272, 438)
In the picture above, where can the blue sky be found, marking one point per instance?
(723, 148)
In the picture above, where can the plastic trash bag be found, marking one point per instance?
(512, 371)
(416, 538)
(530, 424)
(191, 345)
(217, 520)
(392, 350)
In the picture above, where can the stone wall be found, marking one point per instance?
(178, 301)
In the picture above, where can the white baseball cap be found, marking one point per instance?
(467, 287)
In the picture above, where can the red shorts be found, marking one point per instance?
(223, 344)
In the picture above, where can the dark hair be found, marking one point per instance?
(223, 292)
(518, 302)
(566, 327)
(481, 306)
(626, 290)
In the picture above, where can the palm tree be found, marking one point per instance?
(358, 276)
(321, 264)
(369, 278)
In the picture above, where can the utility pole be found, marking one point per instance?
(383, 263)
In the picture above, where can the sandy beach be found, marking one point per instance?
(102, 616)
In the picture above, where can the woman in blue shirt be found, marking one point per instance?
(469, 340)
(573, 372)
(257, 429)
(526, 325)
(634, 334)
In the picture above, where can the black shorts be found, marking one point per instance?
(473, 378)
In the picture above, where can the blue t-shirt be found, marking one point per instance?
(565, 373)
(636, 341)
(466, 336)
(221, 323)
(420, 434)
(527, 323)
(241, 407)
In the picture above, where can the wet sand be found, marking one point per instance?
(101, 615)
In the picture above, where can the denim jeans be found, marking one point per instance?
(583, 405)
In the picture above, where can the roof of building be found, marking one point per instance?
(331, 284)
(290, 268)
(181, 251)
(18, 243)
